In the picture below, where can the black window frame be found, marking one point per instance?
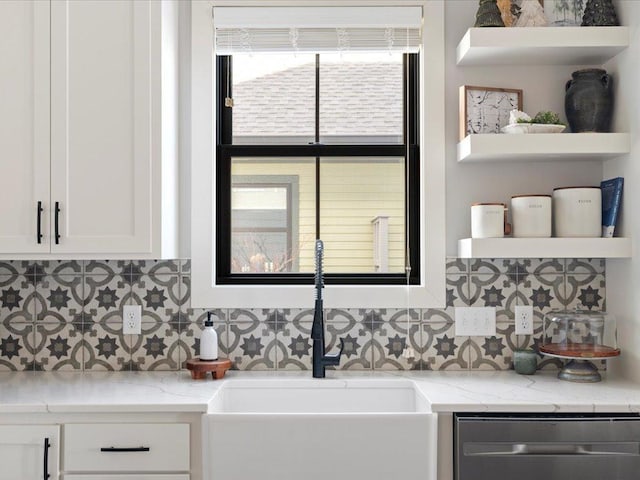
(225, 151)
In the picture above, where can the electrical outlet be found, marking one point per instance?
(475, 321)
(132, 319)
(524, 320)
(409, 353)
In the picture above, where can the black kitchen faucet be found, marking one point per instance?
(320, 360)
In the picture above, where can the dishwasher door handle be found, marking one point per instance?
(532, 449)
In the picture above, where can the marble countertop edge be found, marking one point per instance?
(176, 392)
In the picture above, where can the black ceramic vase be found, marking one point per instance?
(588, 101)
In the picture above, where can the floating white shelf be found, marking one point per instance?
(544, 247)
(541, 45)
(542, 146)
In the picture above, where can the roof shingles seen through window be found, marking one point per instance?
(355, 99)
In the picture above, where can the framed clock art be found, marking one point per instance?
(486, 109)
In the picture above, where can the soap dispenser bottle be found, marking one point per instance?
(208, 341)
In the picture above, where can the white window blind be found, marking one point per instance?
(316, 29)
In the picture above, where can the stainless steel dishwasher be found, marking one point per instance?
(546, 447)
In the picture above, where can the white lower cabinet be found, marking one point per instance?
(29, 452)
(128, 446)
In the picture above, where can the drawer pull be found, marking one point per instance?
(125, 449)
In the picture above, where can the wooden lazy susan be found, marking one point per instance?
(200, 368)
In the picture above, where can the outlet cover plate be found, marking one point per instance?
(475, 321)
(131, 319)
(524, 319)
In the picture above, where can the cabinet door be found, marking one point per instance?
(22, 451)
(102, 56)
(24, 125)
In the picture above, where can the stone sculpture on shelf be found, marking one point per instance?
(599, 13)
(488, 14)
(531, 15)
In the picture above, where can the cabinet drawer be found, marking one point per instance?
(160, 476)
(127, 447)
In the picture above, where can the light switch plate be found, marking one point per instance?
(132, 319)
(475, 321)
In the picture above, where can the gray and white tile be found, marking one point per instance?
(16, 353)
(252, 343)
(396, 339)
(105, 347)
(585, 292)
(58, 347)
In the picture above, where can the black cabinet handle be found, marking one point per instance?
(46, 459)
(125, 449)
(57, 222)
(39, 223)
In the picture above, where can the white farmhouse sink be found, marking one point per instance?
(319, 396)
(319, 429)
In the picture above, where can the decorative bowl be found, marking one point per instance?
(532, 128)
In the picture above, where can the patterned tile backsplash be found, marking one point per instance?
(67, 315)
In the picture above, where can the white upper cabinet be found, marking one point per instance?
(24, 125)
(106, 163)
(101, 158)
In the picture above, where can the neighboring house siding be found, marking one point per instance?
(353, 195)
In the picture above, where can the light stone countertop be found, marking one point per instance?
(133, 392)
(104, 392)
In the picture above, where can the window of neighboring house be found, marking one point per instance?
(264, 222)
(327, 123)
(342, 125)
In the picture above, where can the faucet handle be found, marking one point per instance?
(334, 358)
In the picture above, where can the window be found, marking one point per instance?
(342, 128)
(277, 174)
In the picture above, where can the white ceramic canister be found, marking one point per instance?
(577, 211)
(488, 220)
(531, 215)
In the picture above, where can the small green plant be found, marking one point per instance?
(543, 117)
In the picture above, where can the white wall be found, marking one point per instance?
(543, 89)
(623, 276)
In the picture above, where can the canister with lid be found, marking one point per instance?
(577, 211)
(531, 215)
(489, 220)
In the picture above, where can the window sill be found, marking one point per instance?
(205, 295)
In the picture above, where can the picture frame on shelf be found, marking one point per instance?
(486, 109)
(564, 13)
(510, 10)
